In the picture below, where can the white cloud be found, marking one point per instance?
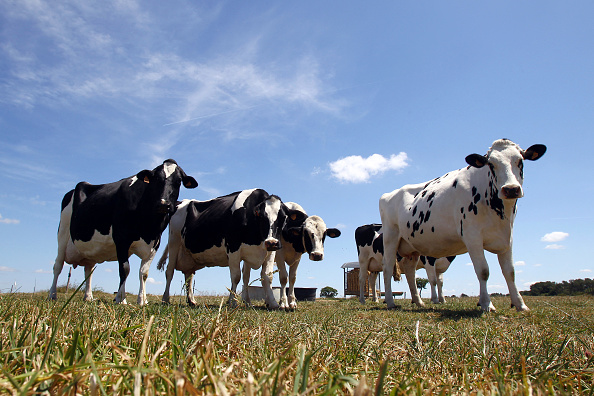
(586, 270)
(8, 221)
(152, 281)
(108, 270)
(554, 246)
(6, 269)
(528, 284)
(356, 169)
(520, 263)
(556, 236)
(538, 265)
(469, 264)
(42, 271)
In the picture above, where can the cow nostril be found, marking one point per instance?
(317, 256)
(511, 192)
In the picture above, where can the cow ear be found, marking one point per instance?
(296, 231)
(145, 176)
(189, 182)
(297, 215)
(476, 160)
(534, 152)
(333, 232)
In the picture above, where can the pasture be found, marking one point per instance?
(325, 347)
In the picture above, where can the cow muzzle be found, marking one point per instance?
(316, 256)
(511, 192)
(272, 244)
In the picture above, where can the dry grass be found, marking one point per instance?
(326, 347)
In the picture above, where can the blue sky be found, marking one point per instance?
(327, 104)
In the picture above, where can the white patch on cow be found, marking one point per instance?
(169, 169)
(99, 249)
(241, 198)
(133, 180)
(315, 227)
(273, 206)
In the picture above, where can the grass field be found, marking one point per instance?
(325, 347)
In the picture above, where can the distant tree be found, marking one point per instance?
(421, 284)
(565, 288)
(329, 292)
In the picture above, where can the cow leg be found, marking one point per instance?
(235, 273)
(145, 265)
(507, 267)
(124, 270)
(292, 280)
(245, 291)
(88, 288)
(283, 278)
(58, 265)
(363, 265)
(481, 268)
(189, 289)
(267, 273)
(432, 277)
(63, 237)
(440, 296)
(168, 278)
(409, 267)
(390, 248)
(372, 280)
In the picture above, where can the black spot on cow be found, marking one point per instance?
(431, 261)
(477, 198)
(473, 191)
(461, 228)
(424, 193)
(421, 217)
(408, 224)
(432, 229)
(414, 211)
(431, 196)
(427, 216)
(456, 182)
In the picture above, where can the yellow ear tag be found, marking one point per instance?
(146, 179)
(294, 216)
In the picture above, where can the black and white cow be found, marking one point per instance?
(223, 231)
(305, 234)
(467, 210)
(370, 250)
(108, 222)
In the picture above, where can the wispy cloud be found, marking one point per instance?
(586, 270)
(152, 281)
(356, 169)
(43, 271)
(519, 263)
(8, 221)
(85, 59)
(555, 246)
(6, 269)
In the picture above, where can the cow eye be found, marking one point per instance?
(521, 164)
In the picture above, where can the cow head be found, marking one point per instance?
(271, 218)
(506, 163)
(162, 185)
(313, 232)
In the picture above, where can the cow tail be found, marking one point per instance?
(161, 263)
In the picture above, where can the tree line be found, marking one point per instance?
(572, 288)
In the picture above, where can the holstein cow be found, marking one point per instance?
(370, 250)
(223, 231)
(305, 234)
(109, 222)
(467, 210)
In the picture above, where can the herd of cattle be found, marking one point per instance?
(423, 225)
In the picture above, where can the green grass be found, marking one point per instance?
(325, 347)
